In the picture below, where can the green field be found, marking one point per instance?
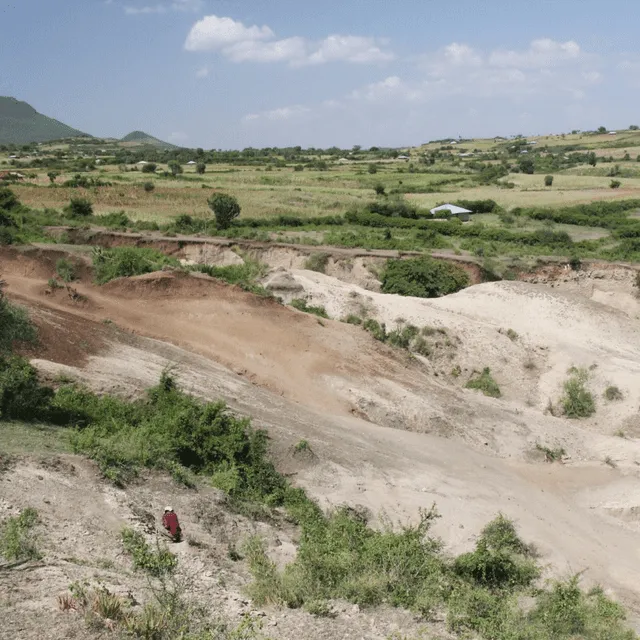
(333, 197)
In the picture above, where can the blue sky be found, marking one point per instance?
(231, 74)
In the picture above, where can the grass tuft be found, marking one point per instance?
(484, 382)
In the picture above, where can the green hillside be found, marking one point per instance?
(142, 138)
(20, 123)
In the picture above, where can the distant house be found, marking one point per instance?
(612, 133)
(454, 210)
(11, 175)
(141, 163)
(403, 157)
(191, 162)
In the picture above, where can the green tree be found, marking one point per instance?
(175, 167)
(548, 181)
(225, 208)
(52, 176)
(423, 277)
(592, 158)
(526, 165)
(633, 127)
(379, 189)
(201, 167)
(150, 167)
(8, 199)
(372, 169)
(602, 129)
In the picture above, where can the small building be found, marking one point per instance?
(191, 162)
(612, 133)
(459, 212)
(402, 158)
(141, 163)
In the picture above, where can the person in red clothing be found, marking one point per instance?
(171, 524)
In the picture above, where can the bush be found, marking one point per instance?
(577, 401)
(175, 167)
(150, 167)
(423, 277)
(615, 184)
(79, 208)
(201, 168)
(352, 318)
(484, 382)
(613, 393)
(65, 270)
(225, 208)
(317, 262)
(17, 540)
(148, 186)
(548, 181)
(22, 397)
(8, 200)
(170, 428)
(14, 325)
(301, 305)
(377, 330)
(122, 262)
(379, 189)
(372, 169)
(244, 275)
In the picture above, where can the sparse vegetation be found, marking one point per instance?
(578, 401)
(484, 382)
(158, 562)
(17, 537)
(301, 305)
(79, 208)
(317, 262)
(555, 454)
(65, 270)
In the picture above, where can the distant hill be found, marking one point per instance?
(20, 123)
(142, 138)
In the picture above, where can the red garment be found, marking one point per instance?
(170, 522)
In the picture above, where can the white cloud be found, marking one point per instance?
(240, 43)
(541, 53)
(176, 5)
(391, 88)
(283, 113)
(349, 48)
(202, 72)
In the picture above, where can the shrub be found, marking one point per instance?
(14, 325)
(225, 208)
(301, 305)
(372, 169)
(613, 393)
(551, 455)
(244, 275)
(148, 186)
(79, 208)
(201, 168)
(352, 318)
(8, 200)
(175, 167)
(379, 189)
(548, 181)
(577, 401)
(150, 167)
(484, 382)
(402, 337)
(615, 184)
(22, 397)
(65, 270)
(17, 540)
(423, 277)
(317, 262)
(377, 330)
(122, 262)
(117, 219)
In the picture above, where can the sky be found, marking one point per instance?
(228, 74)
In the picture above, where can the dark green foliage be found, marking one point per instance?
(500, 560)
(122, 262)
(402, 337)
(548, 181)
(423, 277)
(372, 169)
(175, 167)
(115, 219)
(477, 206)
(149, 186)
(484, 382)
(150, 167)
(225, 208)
(22, 397)
(170, 428)
(8, 200)
(14, 325)
(159, 562)
(17, 540)
(52, 175)
(393, 207)
(301, 305)
(377, 330)
(79, 208)
(201, 168)
(379, 189)
(615, 184)
(65, 270)
(353, 319)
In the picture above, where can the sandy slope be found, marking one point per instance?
(424, 438)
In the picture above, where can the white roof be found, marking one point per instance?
(142, 162)
(612, 133)
(191, 162)
(452, 208)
